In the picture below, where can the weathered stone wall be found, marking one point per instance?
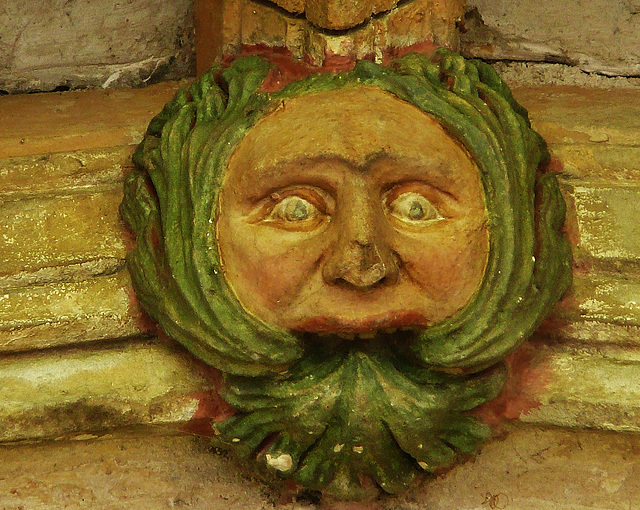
(83, 43)
(591, 42)
(62, 44)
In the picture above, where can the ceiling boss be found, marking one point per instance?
(356, 252)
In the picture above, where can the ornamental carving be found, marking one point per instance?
(357, 252)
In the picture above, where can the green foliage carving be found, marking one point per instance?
(335, 416)
(343, 415)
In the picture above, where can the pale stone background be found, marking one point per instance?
(61, 44)
(581, 42)
(114, 43)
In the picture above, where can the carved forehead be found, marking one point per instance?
(351, 124)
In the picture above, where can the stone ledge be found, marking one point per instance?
(591, 333)
(63, 393)
(64, 172)
(72, 312)
(529, 468)
(609, 298)
(576, 115)
(608, 221)
(587, 388)
(597, 163)
(79, 120)
(60, 230)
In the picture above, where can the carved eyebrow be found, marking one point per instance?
(437, 171)
(292, 161)
(268, 178)
(273, 170)
(438, 163)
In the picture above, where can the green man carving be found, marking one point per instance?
(356, 252)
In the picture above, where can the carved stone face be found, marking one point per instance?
(339, 205)
(352, 211)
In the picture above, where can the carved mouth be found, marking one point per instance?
(365, 328)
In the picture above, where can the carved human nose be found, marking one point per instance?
(361, 256)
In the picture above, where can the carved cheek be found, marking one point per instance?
(447, 265)
(270, 266)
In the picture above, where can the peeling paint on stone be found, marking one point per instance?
(281, 462)
(53, 231)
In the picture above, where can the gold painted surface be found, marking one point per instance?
(57, 230)
(609, 221)
(64, 172)
(69, 312)
(65, 121)
(599, 163)
(589, 388)
(609, 298)
(575, 115)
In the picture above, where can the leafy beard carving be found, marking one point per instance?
(347, 417)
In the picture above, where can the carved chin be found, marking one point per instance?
(352, 421)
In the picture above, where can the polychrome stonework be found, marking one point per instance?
(357, 252)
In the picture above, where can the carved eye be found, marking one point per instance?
(294, 208)
(413, 208)
(299, 210)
